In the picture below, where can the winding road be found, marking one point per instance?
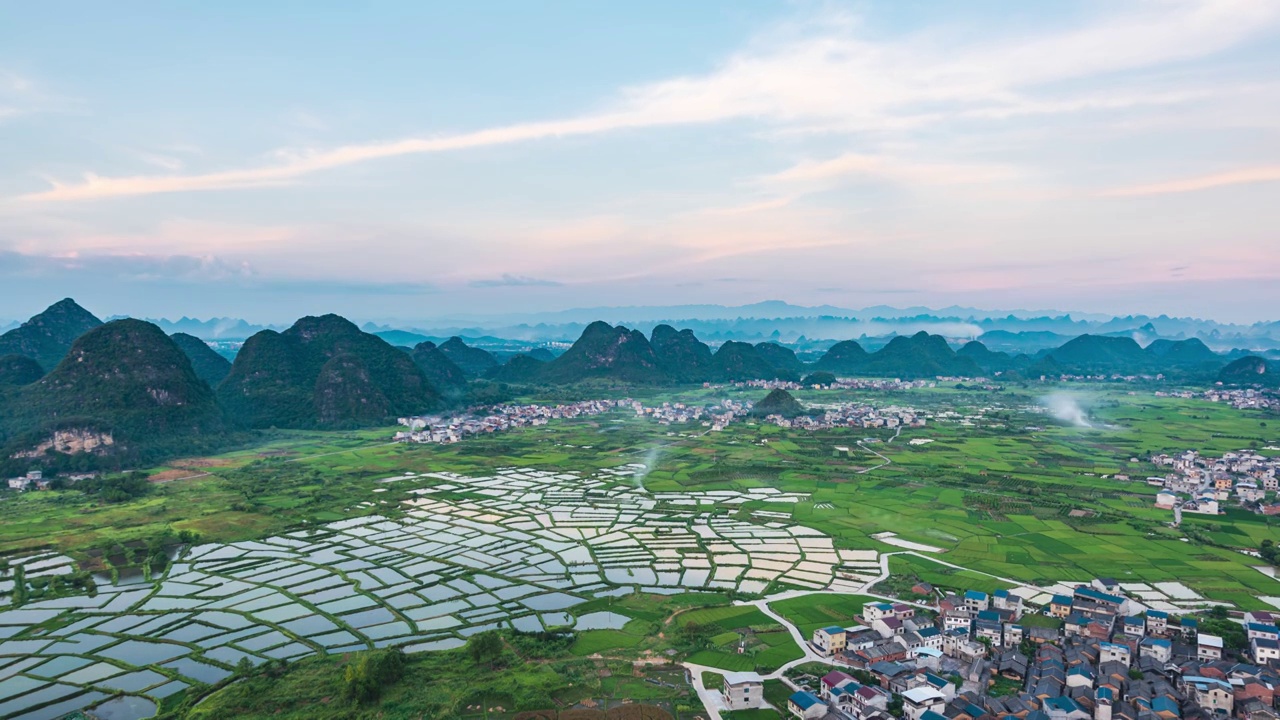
(711, 698)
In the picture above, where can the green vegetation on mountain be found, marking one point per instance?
(1182, 352)
(209, 365)
(522, 368)
(124, 390)
(778, 402)
(19, 370)
(323, 372)
(48, 336)
(473, 361)
(1249, 370)
(1100, 353)
(916, 356)
(985, 358)
(782, 359)
(681, 355)
(739, 361)
(447, 378)
(607, 352)
(846, 356)
(541, 354)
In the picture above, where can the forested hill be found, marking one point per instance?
(323, 372)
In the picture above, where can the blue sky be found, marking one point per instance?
(409, 160)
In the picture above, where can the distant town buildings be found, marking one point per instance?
(1202, 485)
(451, 429)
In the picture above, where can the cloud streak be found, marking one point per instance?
(508, 280)
(1245, 176)
(828, 79)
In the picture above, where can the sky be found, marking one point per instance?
(410, 160)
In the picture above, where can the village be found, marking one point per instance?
(453, 428)
(852, 415)
(1203, 485)
(846, 384)
(1091, 654)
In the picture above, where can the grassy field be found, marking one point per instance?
(1010, 494)
(810, 612)
(444, 685)
(1013, 494)
(766, 646)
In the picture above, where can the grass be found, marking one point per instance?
(435, 685)
(593, 642)
(996, 500)
(810, 612)
(754, 714)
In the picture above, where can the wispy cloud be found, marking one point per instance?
(1245, 176)
(825, 172)
(177, 269)
(821, 77)
(127, 267)
(508, 280)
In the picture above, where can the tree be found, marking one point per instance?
(485, 647)
(370, 672)
(244, 668)
(695, 636)
(1269, 552)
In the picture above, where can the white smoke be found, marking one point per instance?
(650, 462)
(1067, 408)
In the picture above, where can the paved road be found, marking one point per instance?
(886, 460)
(711, 698)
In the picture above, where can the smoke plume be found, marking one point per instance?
(1067, 409)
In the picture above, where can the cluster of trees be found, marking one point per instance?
(692, 637)
(1270, 552)
(486, 648)
(1216, 622)
(370, 672)
(114, 488)
(541, 645)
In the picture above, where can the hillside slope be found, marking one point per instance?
(606, 352)
(475, 362)
(681, 355)
(208, 364)
(447, 378)
(48, 336)
(125, 383)
(323, 372)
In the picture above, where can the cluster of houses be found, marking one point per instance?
(33, 479)
(1197, 484)
(841, 384)
(1248, 399)
(1114, 377)
(451, 429)
(1096, 662)
(855, 415)
(719, 416)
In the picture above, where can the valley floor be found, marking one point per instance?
(620, 529)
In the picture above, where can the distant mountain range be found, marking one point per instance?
(75, 392)
(800, 326)
(806, 329)
(621, 355)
